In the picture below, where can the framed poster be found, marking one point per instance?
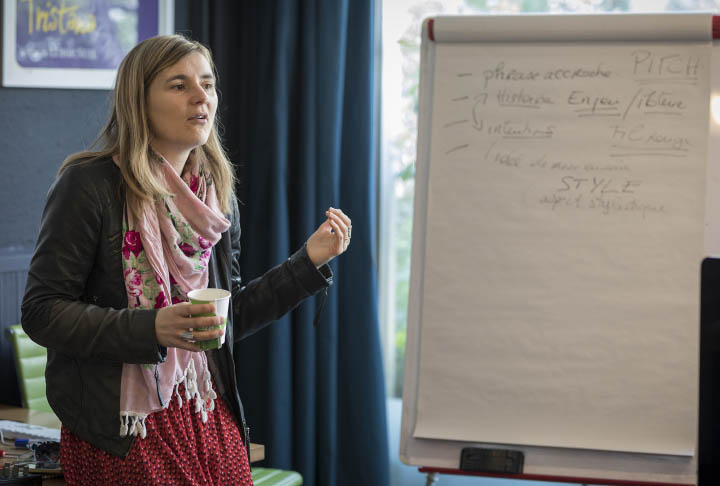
(75, 43)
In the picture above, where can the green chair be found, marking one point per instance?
(30, 360)
(262, 476)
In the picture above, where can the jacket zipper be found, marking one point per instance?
(157, 386)
(247, 439)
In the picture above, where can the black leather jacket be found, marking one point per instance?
(75, 304)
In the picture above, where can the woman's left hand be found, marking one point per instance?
(331, 238)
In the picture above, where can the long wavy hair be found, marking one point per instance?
(127, 133)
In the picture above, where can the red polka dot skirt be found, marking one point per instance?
(179, 450)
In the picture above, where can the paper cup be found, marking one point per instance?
(220, 298)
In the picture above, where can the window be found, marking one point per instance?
(401, 21)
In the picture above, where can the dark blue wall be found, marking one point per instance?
(38, 129)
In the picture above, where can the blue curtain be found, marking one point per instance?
(297, 83)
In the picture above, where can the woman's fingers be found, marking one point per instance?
(189, 338)
(188, 344)
(175, 325)
(344, 222)
(331, 238)
(339, 238)
(339, 222)
(345, 217)
(187, 309)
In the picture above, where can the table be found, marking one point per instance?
(46, 419)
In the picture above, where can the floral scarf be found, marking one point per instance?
(165, 254)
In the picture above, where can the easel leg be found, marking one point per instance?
(432, 478)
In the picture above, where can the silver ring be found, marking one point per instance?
(350, 232)
(187, 336)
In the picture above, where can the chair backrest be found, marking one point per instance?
(30, 361)
(263, 476)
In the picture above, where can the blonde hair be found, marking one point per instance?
(127, 133)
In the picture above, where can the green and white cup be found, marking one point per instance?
(220, 298)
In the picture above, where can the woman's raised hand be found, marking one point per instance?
(331, 238)
(174, 326)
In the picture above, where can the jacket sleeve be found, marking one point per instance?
(55, 309)
(275, 293)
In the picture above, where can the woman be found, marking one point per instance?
(126, 232)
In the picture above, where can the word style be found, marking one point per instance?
(600, 185)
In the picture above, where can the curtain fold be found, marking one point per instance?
(297, 105)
